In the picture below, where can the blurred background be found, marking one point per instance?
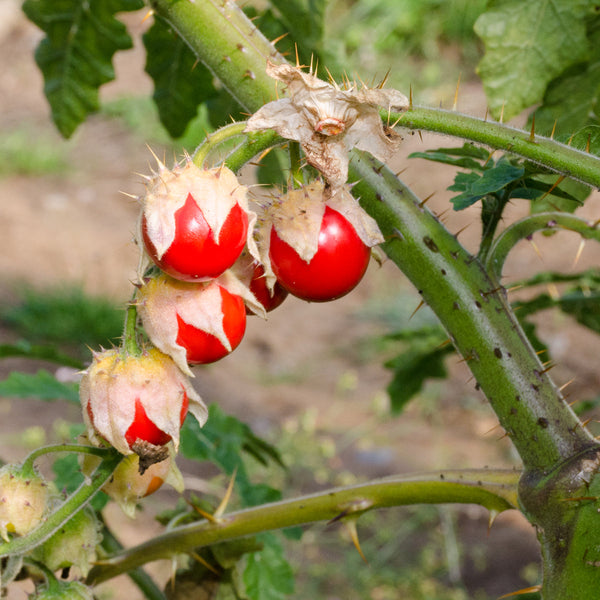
(311, 379)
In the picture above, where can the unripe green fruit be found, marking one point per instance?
(64, 590)
(74, 544)
(23, 500)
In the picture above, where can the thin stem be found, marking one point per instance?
(33, 456)
(75, 502)
(495, 490)
(211, 145)
(296, 175)
(527, 226)
(130, 339)
(552, 154)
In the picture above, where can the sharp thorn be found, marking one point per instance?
(410, 97)
(426, 200)
(223, 505)
(553, 129)
(352, 530)
(455, 103)
(529, 590)
(579, 251)
(501, 113)
(203, 562)
(414, 312)
(532, 132)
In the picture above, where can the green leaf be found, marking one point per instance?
(76, 55)
(305, 21)
(43, 386)
(223, 441)
(49, 353)
(422, 359)
(571, 99)
(268, 576)
(476, 187)
(181, 83)
(527, 44)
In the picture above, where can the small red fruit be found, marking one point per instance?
(258, 286)
(195, 222)
(337, 267)
(203, 347)
(194, 253)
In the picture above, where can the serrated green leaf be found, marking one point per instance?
(527, 44)
(76, 55)
(423, 359)
(38, 352)
(181, 83)
(268, 576)
(491, 181)
(43, 386)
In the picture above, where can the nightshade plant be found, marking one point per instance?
(536, 52)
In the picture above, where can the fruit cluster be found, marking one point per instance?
(207, 263)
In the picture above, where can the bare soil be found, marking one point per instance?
(307, 360)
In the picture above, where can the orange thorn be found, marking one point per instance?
(532, 132)
(198, 558)
(410, 97)
(455, 104)
(223, 505)
(414, 312)
(529, 590)
(278, 39)
(501, 113)
(351, 527)
(587, 144)
(487, 113)
(564, 385)
(425, 200)
(537, 250)
(579, 251)
(461, 230)
(297, 58)
(553, 129)
(147, 15)
(385, 79)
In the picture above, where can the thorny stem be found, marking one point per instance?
(495, 490)
(75, 502)
(473, 309)
(544, 151)
(527, 226)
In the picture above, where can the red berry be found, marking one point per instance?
(194, 253)
(337, 267)
(144, 429)
(203, 347)
(258, 286)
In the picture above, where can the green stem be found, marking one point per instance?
(495, 490)
(130, 339)
(203, 156)
(31, 458)
(77, 500)
(527, 226)
(228, 43)
(552, 154)
(296, 175)
(474, 310)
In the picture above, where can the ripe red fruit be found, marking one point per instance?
(194, 253)
(144, 429)
(258, 286)
(203, 347)
(339, 264)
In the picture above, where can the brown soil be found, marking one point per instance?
(305, 361)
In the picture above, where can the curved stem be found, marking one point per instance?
(76, 501)
(130, 339)
(544, 151)
(495, 490)
(527, 226)
(214, 140)
(33, 456)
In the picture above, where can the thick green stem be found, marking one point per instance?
(474, 311)
(494, 490)
(228, 43)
